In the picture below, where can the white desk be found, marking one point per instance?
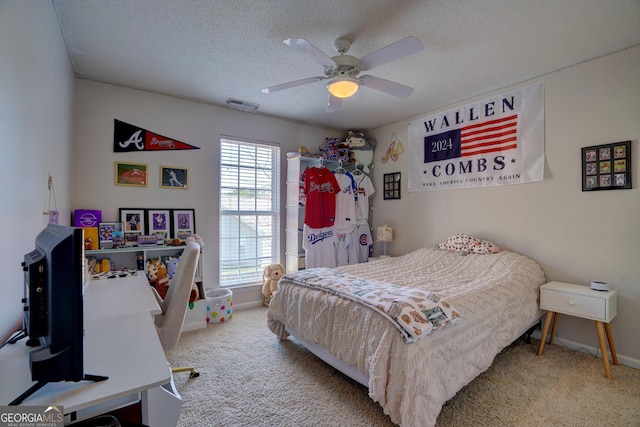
(114, 297)
(120, 342)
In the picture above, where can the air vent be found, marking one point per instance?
(238, 104)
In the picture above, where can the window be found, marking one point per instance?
(249, 210)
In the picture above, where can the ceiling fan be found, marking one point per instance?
(343, 71)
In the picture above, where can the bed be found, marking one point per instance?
(495, 298)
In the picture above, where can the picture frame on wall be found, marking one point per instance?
(606, 166)
(159, 223)
(131, 174)
(174, 177)
(391, 184)
(184, 222)
(134, 221)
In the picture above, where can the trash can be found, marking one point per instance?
(219, 305)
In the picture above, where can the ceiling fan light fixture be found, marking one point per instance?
(343, 87)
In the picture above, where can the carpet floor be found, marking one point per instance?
(249, 378)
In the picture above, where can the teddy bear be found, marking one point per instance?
(270, 278)
(158, 276)
(465, 244)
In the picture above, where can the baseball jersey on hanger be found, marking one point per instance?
(362, 239)
(319, 246)
(364, 190)
(345, 202)
(320, 189)
(346, 248)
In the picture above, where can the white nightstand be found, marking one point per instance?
(580, 301)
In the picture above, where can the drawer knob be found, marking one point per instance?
(572, 303)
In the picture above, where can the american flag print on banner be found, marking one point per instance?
(488, 137)
(496, 141)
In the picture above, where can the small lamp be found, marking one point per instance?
(385, 235)
(343, 87)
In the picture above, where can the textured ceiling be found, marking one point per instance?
(212, 50)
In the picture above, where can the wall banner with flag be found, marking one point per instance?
(497, 141)
(128, 137)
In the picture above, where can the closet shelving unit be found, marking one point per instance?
(297, 163)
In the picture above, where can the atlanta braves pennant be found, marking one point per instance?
(128, 137)
(497, 141)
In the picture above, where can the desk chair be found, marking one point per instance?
(174, 305)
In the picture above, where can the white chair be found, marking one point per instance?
(175, 303)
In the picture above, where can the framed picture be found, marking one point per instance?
(391, 186)
(132, 174)
(159, 223)
(184, 223)
(110, 234)
(172, 177)
(606, 167)
(134, 224)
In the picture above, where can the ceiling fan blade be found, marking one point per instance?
(295, 83)
(306, 48)
(333, 104)
(400, 49)
(387, 86)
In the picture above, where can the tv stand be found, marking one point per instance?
(37, 386)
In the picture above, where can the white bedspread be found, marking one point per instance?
(497, 296)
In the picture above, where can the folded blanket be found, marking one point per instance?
(414, 312)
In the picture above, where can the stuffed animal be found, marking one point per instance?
(361, 149)
(158, 276)
(465, 244)
(172, 264)
(270, 278)
(195, 238)
(356, 139)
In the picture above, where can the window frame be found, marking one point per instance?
(246, 265)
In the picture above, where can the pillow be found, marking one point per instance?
(465, 244)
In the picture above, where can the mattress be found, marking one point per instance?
(497, 296)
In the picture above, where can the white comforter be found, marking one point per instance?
(497, 296)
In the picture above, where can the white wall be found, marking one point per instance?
(201, 125)
(576, 236)
(36, 93)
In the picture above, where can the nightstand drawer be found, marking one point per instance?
(575, 304)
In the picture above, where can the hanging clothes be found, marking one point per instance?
(320, 190)
(319, 246)
(345, 202)
(361, 236)
(364, 190)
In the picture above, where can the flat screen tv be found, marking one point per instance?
(53, 307)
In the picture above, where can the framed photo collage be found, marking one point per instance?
(606, 167)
